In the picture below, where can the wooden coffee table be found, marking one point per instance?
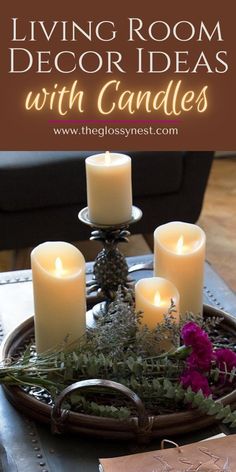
(30, 446)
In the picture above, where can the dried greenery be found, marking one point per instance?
(122, 349)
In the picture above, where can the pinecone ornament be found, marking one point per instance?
(110, 267)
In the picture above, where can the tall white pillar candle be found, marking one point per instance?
(179, 255)
(109, 189)
(153, 298)
(58, 271)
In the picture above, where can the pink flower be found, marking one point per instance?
(190, 332)
(225, 359)
(195, 380)
(200, 360)
(194, 336)
(202, 351)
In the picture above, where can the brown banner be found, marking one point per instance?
(113, 75)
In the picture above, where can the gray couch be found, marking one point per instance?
(42, 192)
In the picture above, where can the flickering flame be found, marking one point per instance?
(107, 158)
(58, 267)
(157, 299)
(180, 245)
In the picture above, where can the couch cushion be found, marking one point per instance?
(156, 173)
(38, 179)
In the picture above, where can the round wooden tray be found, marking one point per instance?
(141, 427)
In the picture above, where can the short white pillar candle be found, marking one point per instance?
(58, 272)
(153, 298)
(109, 188)
(179, 256)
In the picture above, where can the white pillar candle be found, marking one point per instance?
(153, 298)
(179, 255)
(109, 189)
(58, 271)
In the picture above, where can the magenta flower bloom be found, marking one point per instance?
(225, 359)
(189, 333)
(200, 360)
(193, 335)
(195, 380)
(202, 351)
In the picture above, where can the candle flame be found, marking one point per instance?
(180, 245)
(157, 299)
(107, 158)
(58, 267)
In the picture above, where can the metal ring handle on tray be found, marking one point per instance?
(59, 415)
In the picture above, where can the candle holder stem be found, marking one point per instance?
(110, 267)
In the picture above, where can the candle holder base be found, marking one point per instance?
(110, 267)
(100, 309)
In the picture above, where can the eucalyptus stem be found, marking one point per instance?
(121, 349)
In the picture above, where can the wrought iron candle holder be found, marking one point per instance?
(110, 267)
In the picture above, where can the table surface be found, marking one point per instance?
(30, 447)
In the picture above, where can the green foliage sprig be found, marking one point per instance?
(122, 349)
